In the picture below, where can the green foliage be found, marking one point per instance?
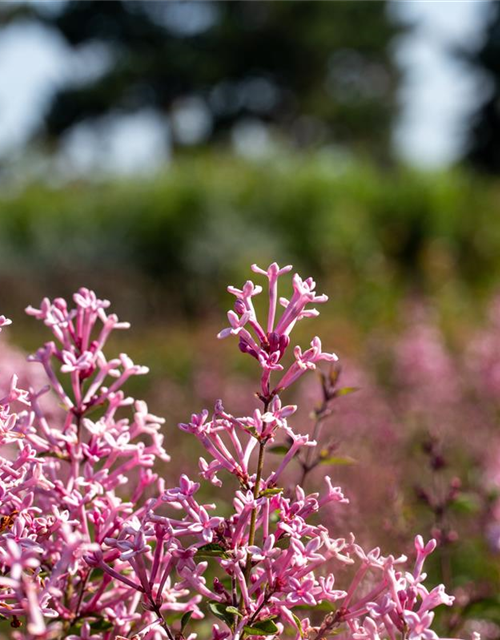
(262, 627)
(344, 391)
(272, 491)
(338, 460)
(185, 620)
(299, 626)
(212, 214)
(484, 609)
(225, 612)
(278, 449)
(316, 72)
(466, 503)
(211, 550)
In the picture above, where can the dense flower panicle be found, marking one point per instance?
(60, 474)
(78, 560)
(270, 345)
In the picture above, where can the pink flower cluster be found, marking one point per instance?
(269, 346)
(94, 545)
(61, 479)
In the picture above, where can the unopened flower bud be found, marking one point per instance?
(284, 342)
(274, 342)
(219, 588)
(243, 346)
(239, 307)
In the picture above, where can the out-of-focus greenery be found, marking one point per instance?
(317, 72)
(371, 234)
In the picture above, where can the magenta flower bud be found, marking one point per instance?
(239, 306)
(244, 347)
(220, 589)
(94, 559)
(274, 341)
(284, 342)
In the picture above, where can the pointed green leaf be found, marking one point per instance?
(283, 542)
(220, 610)
(262, 628)
(211, 550)
(299, 625)
(252, 431)
(279, 449)
(345, 391)
(340, 460)
(185, 619)
(272, 491)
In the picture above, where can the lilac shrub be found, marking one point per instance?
(94, 545)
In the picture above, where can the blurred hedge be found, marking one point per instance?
(205, 218)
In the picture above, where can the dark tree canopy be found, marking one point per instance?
(483, 150)
(318, 72)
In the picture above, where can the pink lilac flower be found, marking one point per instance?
(269, 346)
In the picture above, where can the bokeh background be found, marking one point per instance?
(154, 150)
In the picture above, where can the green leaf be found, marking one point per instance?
(487, 609)
(465, 503)
(223, 611)
(211, 550)
(53, 454)
(272, 491)
(262, 628)
(101, 625)
(283, 542)
(234, 610)
(345, 391)
(299, 625)
(185, 619)
(340, 460)
(279, 449)
(322, 606)
(75, 628)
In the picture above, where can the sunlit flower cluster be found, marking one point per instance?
(94, 544)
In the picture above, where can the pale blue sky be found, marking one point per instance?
(439, 92)
(437, 96)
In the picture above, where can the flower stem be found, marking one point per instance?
(253, 519)
(163, 622)
(329, 623)
(82, 593)
(256, 490)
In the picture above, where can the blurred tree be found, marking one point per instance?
(315, 72)
(483, 150)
